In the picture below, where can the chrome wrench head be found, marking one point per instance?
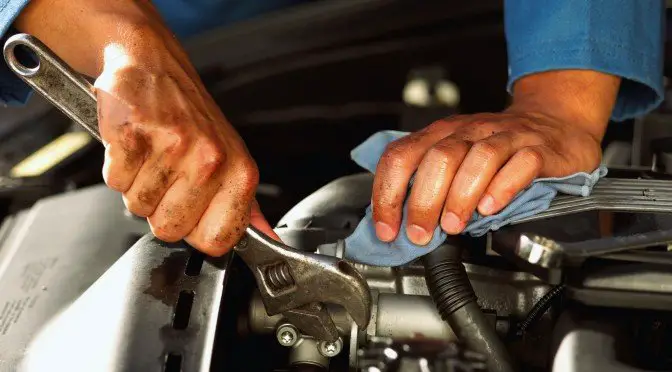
(292, 282)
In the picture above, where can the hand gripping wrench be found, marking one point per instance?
(295, 283)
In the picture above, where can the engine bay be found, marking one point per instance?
(168, 308)
(583, 286)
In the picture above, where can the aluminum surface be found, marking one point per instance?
(613, 194)
(47, 261)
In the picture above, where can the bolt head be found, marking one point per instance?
(331, 349)
(286, 337)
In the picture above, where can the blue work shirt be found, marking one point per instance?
(619, 37)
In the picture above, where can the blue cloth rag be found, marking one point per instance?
(363, 246)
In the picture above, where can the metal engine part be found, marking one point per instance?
(511, 293)
(387, 355)
(403, 310)
(160, 308)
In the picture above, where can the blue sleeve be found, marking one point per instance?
(13, 90)
(618, 37)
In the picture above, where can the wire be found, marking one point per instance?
(539, 309)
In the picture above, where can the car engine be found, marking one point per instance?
(589, 290)
(584, 286)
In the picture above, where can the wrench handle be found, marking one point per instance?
(66, 89)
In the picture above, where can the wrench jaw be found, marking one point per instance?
(300, 284)
(314, 320)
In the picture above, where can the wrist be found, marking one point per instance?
(59, 23)
(580, 98)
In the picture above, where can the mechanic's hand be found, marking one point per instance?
(169, 149)
(480, 162)
(171, 152)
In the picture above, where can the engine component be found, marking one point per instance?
(386, 355)
(404, 311)
(539, 309)
(548, 253)
(287, 335)
(455, 300)
(607, 339)
(306, 353)
(613, 194)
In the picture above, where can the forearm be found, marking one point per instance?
(584, 98)
(79, 31)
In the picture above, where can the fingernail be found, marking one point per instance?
(486, 205)
(418, 235)
(384, 232)
(451, 224)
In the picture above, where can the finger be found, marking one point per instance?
(516, 175)
(183, 204)
(393, 173)
(125, 147)
(180, 209)
(224, 221)
(482, 162)
(258, 220)
(430, 188)
(151, 183)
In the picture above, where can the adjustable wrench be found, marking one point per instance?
(292, 282)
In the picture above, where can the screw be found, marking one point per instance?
(287, 335)
(331, 349)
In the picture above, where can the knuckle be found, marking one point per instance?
(438, 124)
(439, 153)
(137, 208)
(486, 149)
(443, 151)
(394, 157)
(219, 244)
(166, 232)
(531, 157)
(114, 179)
(141, 203)
(115, 183)
(212, 158)
(177, 141)
(248, 174)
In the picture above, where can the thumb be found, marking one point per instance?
(258, 220)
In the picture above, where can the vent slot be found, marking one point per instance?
(173, 363)
(183, 309)
(194, 264)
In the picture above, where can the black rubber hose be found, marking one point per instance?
(455, 300)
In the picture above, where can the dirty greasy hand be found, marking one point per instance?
(168, 148)
(480, 162)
